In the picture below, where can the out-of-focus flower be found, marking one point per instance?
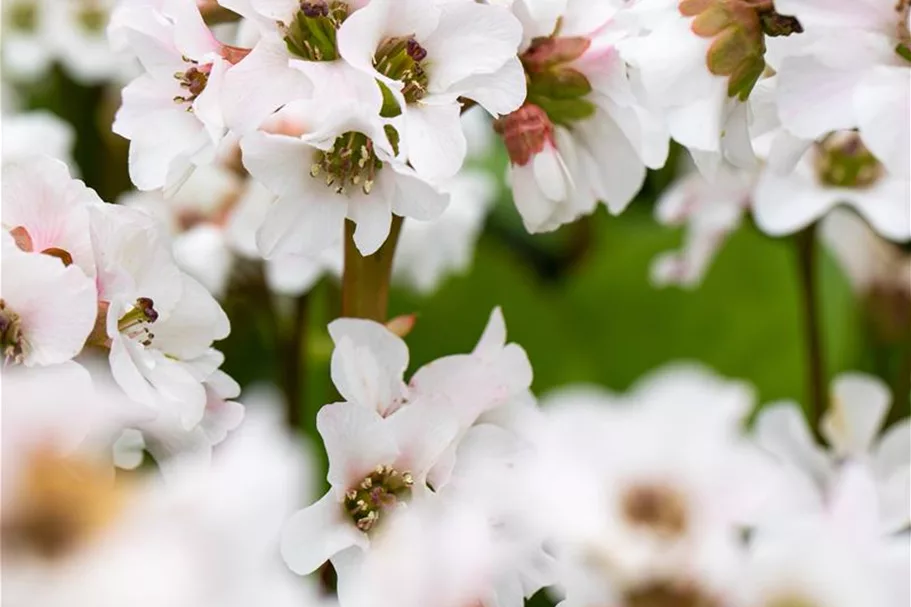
(37, 133)
(655, 487)
(851, 426)
(208, 536)
(851, 69)
(428, 251)
(837, 170)
(425, 57)
(710, 211)
(76, 31)
(27, 50)
(837, 557)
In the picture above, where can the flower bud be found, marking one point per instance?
(525, 132)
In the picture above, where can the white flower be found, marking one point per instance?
(429, 55)
(710, 211)
(172, 114)
(27, 47)
(37, 133)
(160, 324)
(582, 135)
(47, 308)
(77, 32)
(429, 251)
(349, 170)
(836, 558)
(376, 465)
(654, 486)
(851, 69)
(837, 170)
(46, 211)
(851, 427)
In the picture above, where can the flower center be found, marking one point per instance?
(842, 160)
(402, 59)
(381, 490)
(23, 16)
(92, 18)
(133, 323)
(525, 132)
(11, 340)
(790, 600)
(61, 502)
(351, 161)
(553, 84)
(667, 594)
(194, 80)
(312, 32)
(656, 507)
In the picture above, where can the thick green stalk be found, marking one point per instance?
(365, 284)
(807, 263)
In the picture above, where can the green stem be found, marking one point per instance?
(365, 284)
(294, 362)
(809, 290)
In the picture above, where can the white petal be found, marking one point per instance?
(373, 216)
(317, 533)
(859, 405)
(500, 92)
(882, 103)
(885, 206)
(784, 204)
(782, 430)
(434, 140)
(814, 99)
(356, 441)
(416, 198)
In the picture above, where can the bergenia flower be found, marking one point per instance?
(350, 170)
(47, 307)
(426, 56)
(171, 114)
(376, 465)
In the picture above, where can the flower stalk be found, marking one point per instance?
(365, 283)
(807, 259)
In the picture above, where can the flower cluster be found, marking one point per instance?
(86, 280)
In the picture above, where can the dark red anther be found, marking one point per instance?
(415, 50)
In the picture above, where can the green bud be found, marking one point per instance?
(562, 83)
(565, 111)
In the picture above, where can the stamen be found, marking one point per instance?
(379, 491)
(12, 342)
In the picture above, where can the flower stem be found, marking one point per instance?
(365, 284)
(805, 242)
(293, 351)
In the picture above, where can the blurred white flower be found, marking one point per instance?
(710, 212)
(37, 133)
(76, 30)
(27, 48)
(428, 251)
(655, 487)
(837, 170)
(852, 428)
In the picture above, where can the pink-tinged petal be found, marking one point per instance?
(208, 106)
(56, 305)
(260, 84)
(500, 92)
(193, 325)
(434, 140)
(126, 373)
(535, 208)
(859, 406)
(40, 196)
(784, 204)
(357, 440)
(883, 105)
(361, 34)
(276, 10)
(301, 224)
(373, 216)
(853, 503)
(415, 198)
(154, 47)
(814, 99)
(870, 14)
(782, 431)
(317, 533)
(470, 39)
(192, 37)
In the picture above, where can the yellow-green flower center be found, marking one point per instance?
(381, 490)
